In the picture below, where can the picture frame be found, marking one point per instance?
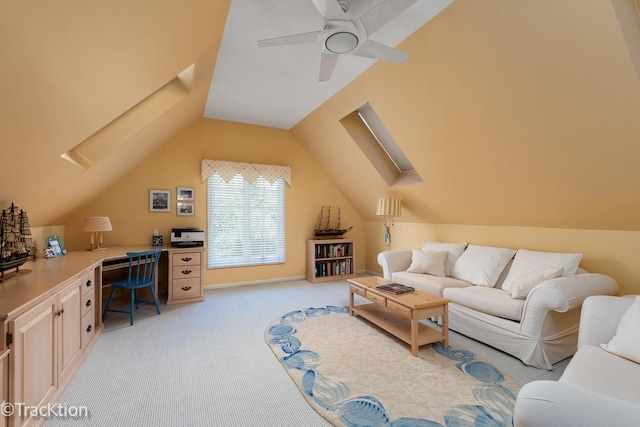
(159, 200)
(186, 193)
(55, 247)
(186, 209)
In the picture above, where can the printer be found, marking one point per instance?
(186, 237)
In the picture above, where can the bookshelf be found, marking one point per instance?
(330, 259)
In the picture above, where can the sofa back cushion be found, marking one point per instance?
(626, 342)
(482, 265)
(454, 250)
(527, 261)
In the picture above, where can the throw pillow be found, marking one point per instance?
(427, 262)
(482, 265)
(521, 287)
(626, 342)
(527, 261)
(454, 250)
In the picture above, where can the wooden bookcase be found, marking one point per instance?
(330, 259)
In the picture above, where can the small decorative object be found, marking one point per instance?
(388, 207)
(328, 225)
(186, 193)
(157, 239)
(160, 200)
(96, 224)
(54, 243)
(186, 209)
(15, 239)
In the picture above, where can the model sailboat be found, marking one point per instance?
(328, 224)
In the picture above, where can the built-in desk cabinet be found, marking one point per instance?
(47, 342)
(186, 272)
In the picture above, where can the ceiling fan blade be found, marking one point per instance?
(380, 15)
(375, 50)
(330, 9)
(292, 39)
(328, 62)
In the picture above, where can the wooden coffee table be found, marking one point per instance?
(399, 314)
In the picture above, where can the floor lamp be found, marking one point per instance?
(388, 207)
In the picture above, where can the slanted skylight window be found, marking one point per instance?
(375, 141)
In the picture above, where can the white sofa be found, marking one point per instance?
(598, 388)
(508, 299)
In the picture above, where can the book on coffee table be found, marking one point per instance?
(395, 288)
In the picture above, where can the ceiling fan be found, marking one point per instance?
(346, 35)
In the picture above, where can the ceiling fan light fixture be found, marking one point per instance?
(341, 42)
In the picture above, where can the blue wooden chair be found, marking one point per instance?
(142, 273)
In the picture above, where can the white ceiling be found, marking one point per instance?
(278, 86)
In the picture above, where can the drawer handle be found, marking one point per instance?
(89, 282)
(186, 271)
(89, 328)
(186, 259)
(185, 288)
(88, 303)
(60, 313)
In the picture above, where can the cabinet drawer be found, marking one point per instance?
(88, 327)
(358, 290)
(88, 302)
(88, 282)
(400, 309)
(185, 258)
(186, 288)
(185, 272)
(378, 299)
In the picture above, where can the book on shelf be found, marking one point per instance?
(395, 288)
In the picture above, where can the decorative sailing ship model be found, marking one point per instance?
(15, 239)
(328, 224)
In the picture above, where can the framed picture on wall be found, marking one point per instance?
(186, 209)
(160, 200)
(186, 193)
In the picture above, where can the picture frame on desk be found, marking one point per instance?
(186, 193)
(186, 209)
(159, 200)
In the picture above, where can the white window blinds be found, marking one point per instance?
(245, 221)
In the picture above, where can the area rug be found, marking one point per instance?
(355, 374)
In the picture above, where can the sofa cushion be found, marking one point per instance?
(454, 250)
(481, 265)
(427, 283)
(594, 369)
(428, 262)
(493, 301)
(626, 342)
(521, 287)
(527, 261)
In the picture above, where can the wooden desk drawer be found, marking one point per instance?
(88, 282)
(378, 299)
(88, 327)
(186, 288)
(185, 272)
(88, 302)
(358, 290)
(185, 258)
(400, 309)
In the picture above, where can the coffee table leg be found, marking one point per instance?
(445, 326)
(350, 302)
(414, 336)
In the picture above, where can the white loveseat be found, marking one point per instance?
(525, 303)
(598, 387)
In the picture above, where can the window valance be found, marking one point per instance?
(250, 171)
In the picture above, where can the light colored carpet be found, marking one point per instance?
(206, 364)
(354, 374)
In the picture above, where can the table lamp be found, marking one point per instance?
(388, 207)
(96, 224)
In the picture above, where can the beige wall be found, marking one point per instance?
(614, 253)
(178, 164)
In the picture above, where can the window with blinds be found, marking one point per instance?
(245, 222)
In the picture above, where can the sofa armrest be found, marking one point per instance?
(563, 294)
(551, 403)
(600, 317)
(392, 261)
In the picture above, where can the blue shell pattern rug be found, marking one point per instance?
(354, 374)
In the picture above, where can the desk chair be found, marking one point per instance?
(142, 272)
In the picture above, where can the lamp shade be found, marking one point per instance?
(96, 223)
(388, 206)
